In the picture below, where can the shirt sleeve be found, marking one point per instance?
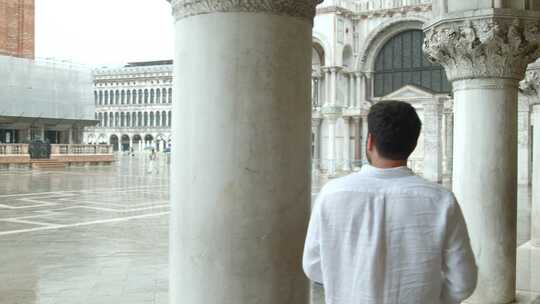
(459, 267)
(312, 249)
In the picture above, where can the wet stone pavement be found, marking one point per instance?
(97, 234)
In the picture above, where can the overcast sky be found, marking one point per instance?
(104, 32)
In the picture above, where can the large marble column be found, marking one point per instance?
(485, 53)
(432, 140)
(240, 184)
(535, 206)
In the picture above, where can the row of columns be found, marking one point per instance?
(133, 119)
(126, 97)
(325, 92)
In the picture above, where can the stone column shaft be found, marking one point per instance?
(346, 144)
(535, 206)
(316, 126)
(449, 138)
(485, 54)
(357, 140)
(365, 133)
(240, 191)
(331, 151)
(432, 141)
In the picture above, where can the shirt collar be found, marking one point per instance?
(370, 171)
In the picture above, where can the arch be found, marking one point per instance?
(164, 119)
(163, 95)
(145, 119)
(125, 142)
(122, 119)
(123, 97)
(152, 95)
(111, 97)
(100, 97)
(401, 62)
(158, 96)
(139, 119)
(158, 119)
(140, 93)
(128, 119)
(169, 95)
(146, 96)
(151, 119)
(106, 97)
(114, 142)
(133, 120)
(96, 98)
(320, 41)
(348, 57)
(169, 118)
(380, 35)
(317, 56)
(102, 139)
(128, 96)
(116, 119)
(111, 119)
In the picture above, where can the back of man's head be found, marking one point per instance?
(394, 127)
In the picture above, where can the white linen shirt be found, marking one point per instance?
(387, 236)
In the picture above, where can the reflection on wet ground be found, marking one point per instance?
(97, 234)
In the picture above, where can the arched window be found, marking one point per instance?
(152, 96)
(158, 96)
(116, 119)
(128, 96)
(401, 62)
(140, 96)
(163, 119)
(128, 120)
(151, 119)
(145, 96)
(122, 119)
(139, 119)
(95, 98)
(170, 95)
(164, 95)
(158, 119)
(169, 119)
(146, 119)
(111, 119)
(100, 118)
(106, 97)
(100, 97)
(348, 60)
(117, 97)
(133, 119)
(111, 97)
(123, 97)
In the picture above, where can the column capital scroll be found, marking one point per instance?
(293, 8)
(488, 46)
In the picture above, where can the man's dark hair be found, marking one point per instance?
(394, 127)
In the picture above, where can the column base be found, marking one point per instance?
(528, 269)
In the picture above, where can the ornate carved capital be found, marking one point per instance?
(293, 8)
(488, 47)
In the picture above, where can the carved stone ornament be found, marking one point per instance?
(531, 83)
(293, 8)
(490, 47)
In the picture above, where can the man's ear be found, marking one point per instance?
(370, 143)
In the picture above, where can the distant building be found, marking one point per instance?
(39, 100)
(133, 106)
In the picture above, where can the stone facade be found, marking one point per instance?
(17, 32)
(133, 106)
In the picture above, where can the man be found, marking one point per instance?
(384, 235)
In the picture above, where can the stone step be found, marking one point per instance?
(47, 164)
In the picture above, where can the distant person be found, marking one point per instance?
(152, 166)
(132, 151)
(384, 235)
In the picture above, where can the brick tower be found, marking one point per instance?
(17, 28)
